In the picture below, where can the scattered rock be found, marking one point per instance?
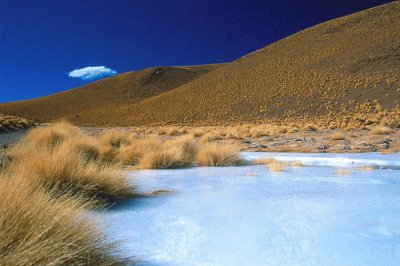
(345, 148)
(257, 146)
(323, 147)
(373, 148)
(385, 144)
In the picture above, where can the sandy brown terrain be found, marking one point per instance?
(106, 95)
(249, 139)
(356, 141)
(325, 72)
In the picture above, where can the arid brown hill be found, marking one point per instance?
(324, 69)
(106, 94)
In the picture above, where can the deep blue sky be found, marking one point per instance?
(41, 41)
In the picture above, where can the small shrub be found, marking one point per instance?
(211, 137)
(381, 130)
(198, 133)
(218, 155)
(259, 131)
(115, 138)
(133, 153)
(173, 154)
(276, 167)
(52, 136)
(366, 167)
(310, 127)
(176, 131)
(265, 160)
(343, 172)
(37, 229)
(338, 136)
(232, 134)
(69, 171)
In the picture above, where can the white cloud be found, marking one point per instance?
(91, 72)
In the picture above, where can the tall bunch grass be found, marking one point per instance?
(38, 227)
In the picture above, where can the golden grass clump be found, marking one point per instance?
(197, 133)
(172, 131)
(276, 167)
(53, 135)
(272, 163)
(62, 157)
(366, 167)
(115, 138)
(173, 154)
(161, 159)
(38, 229)
(265, 160)
(218, 155)
(87, 146)
(381, 130)
(8, 123)
(310, 127)
(233, 134)
(343, 172)
(69, 171)
(338, 136)
(211, 137)
(132, 154)
(259, 131)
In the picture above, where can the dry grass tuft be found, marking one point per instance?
(265, 160)
(197, 133)
(62, 157)
(37, 229)
(259, 131)
(310, 127)
(211, 137)
(9, 123)
(53, 135)
(69, 171)
(173, 154)
(276, 167)
(338, 136)
(343, 172)
(85, 145)
(133, 153)
(381, 130)
(115, 138)
(366, 167)
(53, 176)
(161, 159)
(218, 155)
(172, 131)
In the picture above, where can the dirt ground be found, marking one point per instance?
(304, 141)
(9, 138)
(353, 141)
(321, 141)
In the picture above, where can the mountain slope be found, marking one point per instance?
(120, 90)
(331, 67)
(320, 70)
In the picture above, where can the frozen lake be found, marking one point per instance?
(250, 216)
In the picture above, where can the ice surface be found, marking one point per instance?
(251, 216)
